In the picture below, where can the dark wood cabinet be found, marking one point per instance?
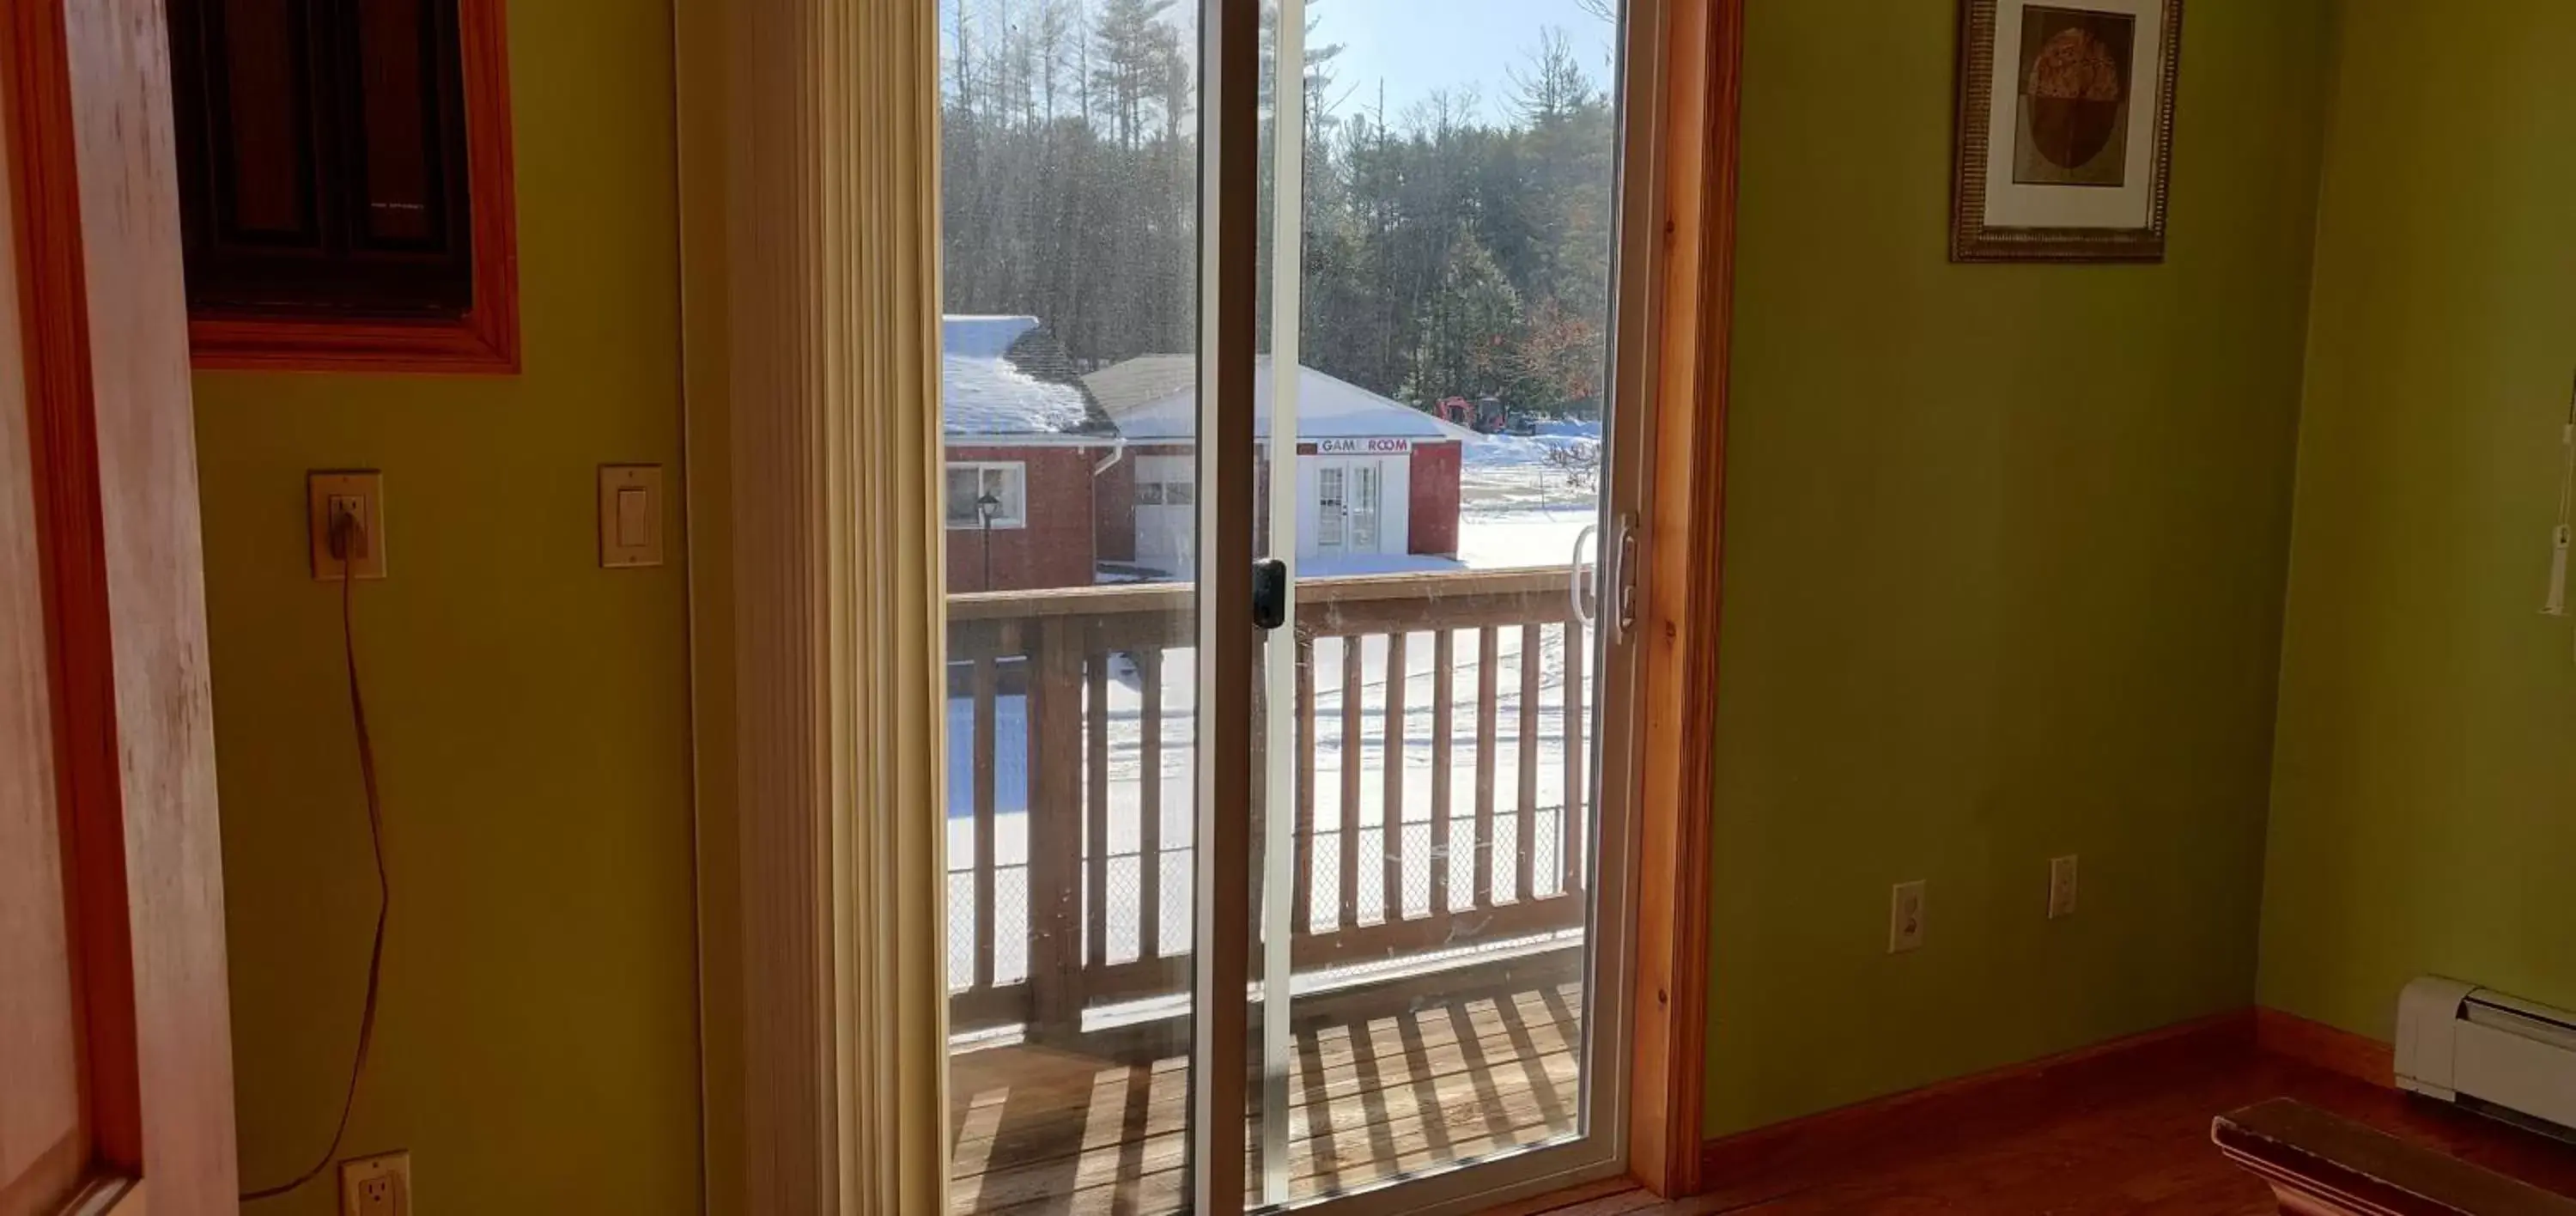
(344, 169)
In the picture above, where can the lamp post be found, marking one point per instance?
(985, 505)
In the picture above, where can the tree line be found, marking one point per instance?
(1452, 249)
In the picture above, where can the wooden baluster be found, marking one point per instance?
(1488, 696)
(1391, 820)
(1149, 806)
(1301, 913)
(1444, 697)
(1570, 821)
(1055, 826)
(1525, 835)
(1350, 851)
(984, 722)
(1095, 721)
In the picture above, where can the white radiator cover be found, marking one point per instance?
(2457, 1040)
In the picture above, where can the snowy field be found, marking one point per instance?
(1521, 508)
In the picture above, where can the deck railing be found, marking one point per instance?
(1069, 843)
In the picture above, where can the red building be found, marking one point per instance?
(1055, 480)
(1377, 480)
(1030, 457)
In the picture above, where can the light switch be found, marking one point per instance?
(634, 518)
(630, 515)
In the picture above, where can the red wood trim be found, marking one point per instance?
(1789, 1156)
(2320, 1164)
(1704, 97)
(485, 341)
(2321, 1046)
(63, 439)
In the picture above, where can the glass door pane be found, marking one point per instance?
(1443, 210)
(1363, 512)
(1070, 169)
(1332, 508)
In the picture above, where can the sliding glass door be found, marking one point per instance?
(1070, 233)
(1290, 382)
(1434, 400)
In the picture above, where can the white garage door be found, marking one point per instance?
(1167, 512)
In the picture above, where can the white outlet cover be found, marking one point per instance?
(2061, 887)
(1905, 917)
(376, 1186)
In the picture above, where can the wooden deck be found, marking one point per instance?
(1385, 1080)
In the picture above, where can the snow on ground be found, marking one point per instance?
(1545, 469)
(1521, 509)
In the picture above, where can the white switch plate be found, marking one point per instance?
(2061, 887)
(1905, 917)
(630, 515)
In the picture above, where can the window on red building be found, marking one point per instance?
(980, 489)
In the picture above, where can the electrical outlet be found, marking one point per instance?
(1905, 917)
(376, 1186)
(2061, 887)
(357, 495)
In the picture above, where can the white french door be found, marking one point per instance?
(1332, 510)
(1350, 513)
(1283, 888)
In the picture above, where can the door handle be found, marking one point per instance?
(1627, 574)
(1574, 576)
(1269, 593)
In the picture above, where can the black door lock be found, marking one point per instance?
(1269, 593)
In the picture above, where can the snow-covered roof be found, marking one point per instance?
(987, 388)
(1155, 397)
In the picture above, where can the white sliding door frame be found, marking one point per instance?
(1226, 452)
(809, 151)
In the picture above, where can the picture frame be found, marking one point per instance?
(2073, 161)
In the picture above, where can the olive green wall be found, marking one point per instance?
(2004, 555)
(537, 1050)
(2422, 793)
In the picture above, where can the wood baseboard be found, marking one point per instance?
(1786, 1157)
(2321, 1046)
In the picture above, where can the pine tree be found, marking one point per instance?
(1455, 249)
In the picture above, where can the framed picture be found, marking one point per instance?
(2065, 129)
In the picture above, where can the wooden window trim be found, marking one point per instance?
(485, 340)
(1703, 98)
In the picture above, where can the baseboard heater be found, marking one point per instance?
(2480, 1048)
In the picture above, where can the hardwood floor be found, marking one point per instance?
(1381, 1087)
(2135, 1148)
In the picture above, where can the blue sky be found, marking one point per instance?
(1413, 47)
(1417, 46)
